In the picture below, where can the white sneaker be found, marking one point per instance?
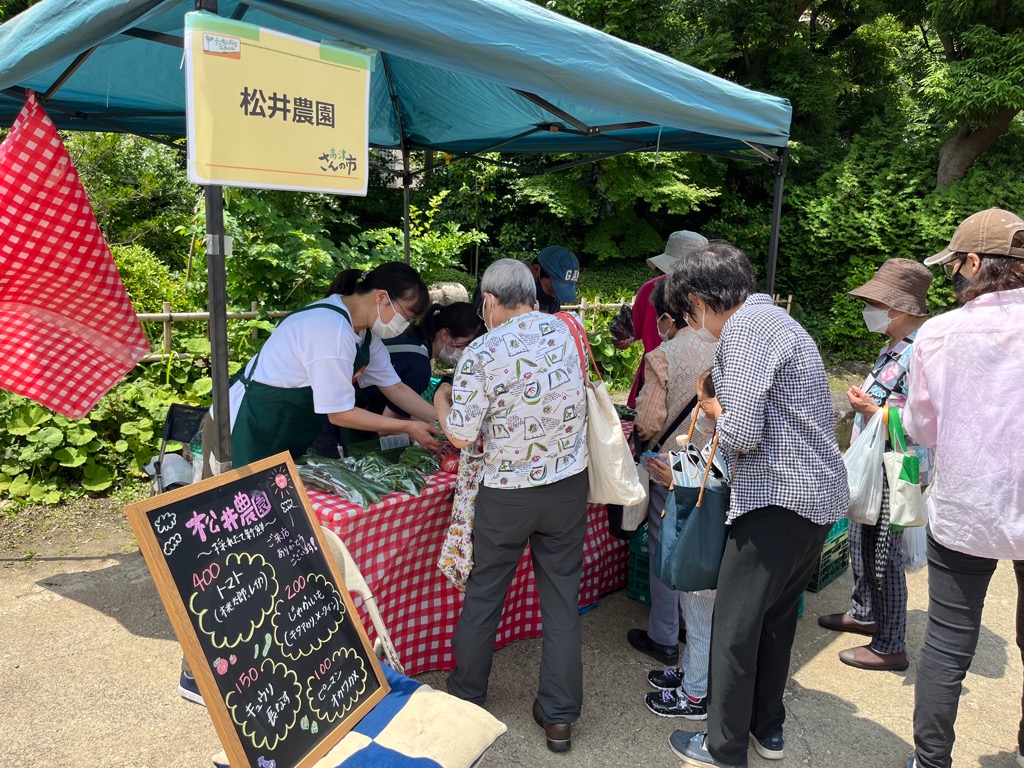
(1020, 759)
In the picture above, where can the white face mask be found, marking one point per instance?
(488, 315)
(394, 328)
(703, 333)
(877, 320)
(705, 424)
(446, 357)
(664, 336)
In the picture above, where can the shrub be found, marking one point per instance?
(45, 456)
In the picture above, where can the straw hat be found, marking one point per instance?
(901, 284)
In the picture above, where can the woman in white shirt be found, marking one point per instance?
(306, 373)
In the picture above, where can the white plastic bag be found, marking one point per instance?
(915, 549)
(863, 463)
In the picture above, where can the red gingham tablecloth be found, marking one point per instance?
(396, 542)
(68, 332)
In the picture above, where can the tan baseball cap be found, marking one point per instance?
(986, 232)
(679, 244)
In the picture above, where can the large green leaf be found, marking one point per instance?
(71, 457)
(97, 478)
(20, 486)
(80, 436)
(27, 419)
(50, 437)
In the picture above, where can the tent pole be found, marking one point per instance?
(773, 243)
(406, 181)
(217, 298)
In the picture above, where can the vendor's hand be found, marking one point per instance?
(659, 471)
(622, 343)
(860, 402)
(712, 408)
(423, 434)
(443, 394)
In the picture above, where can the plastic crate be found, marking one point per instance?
(638, 585)
(841, 527)
(800, 605)
(835, 557)
(360, 449)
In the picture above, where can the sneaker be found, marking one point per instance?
(672, 704)
(770, 748)
(690, 748)
(1020, 758)
(912, 760)
(666, 679)
(189, 690)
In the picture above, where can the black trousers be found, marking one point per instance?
(957, 585)
(769, 558)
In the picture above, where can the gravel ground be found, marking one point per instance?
(90, 663)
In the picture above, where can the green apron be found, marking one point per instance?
(274, 419)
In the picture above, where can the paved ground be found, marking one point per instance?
(89, 663)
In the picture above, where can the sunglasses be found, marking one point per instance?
(950, 266)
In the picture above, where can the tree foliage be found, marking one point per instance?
(905, 120)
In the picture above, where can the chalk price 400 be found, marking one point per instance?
(205, 578)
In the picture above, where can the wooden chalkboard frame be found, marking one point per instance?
(174, 602)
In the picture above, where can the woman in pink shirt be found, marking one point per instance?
(965, 401)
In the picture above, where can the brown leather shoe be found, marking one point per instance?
(864, 657)
(558, 734)
(843, 622)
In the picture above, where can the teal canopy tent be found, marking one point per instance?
(460, 76)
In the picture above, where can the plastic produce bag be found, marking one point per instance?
(915, 548)
(863, 463)
(621, 326)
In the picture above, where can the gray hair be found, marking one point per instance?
(719, 274)
(510, 282)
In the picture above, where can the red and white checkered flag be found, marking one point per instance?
(68, 332)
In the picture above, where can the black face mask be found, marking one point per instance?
(959, 281)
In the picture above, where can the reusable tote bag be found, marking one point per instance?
(635, 514)
(902, 470)
(610, 468)
(456, 558)
(693, 530)
(863, 462)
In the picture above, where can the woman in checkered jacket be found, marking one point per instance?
(776, 424)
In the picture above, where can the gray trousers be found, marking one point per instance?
(957, 585)
(553, 519)
(663, 621)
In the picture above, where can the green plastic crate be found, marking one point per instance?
(638, 585)
(835, 557)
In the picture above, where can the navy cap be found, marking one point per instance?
(561, 265)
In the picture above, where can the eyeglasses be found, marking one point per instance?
(400, 310)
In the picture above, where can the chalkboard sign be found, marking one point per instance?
(263, 616)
